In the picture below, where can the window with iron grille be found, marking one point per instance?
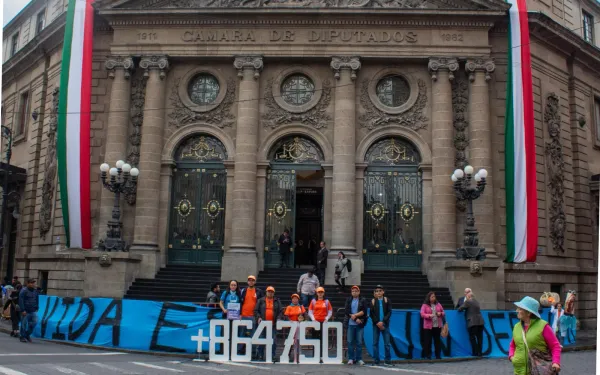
(23, 109)
(588, 27)
(14, 45)
(40, 21)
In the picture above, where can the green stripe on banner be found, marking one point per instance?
(509, 158)
(61, 141)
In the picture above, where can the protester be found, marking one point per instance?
(322, 262)
(341, 272)
(381, 312)
(307, 285)
(285, 244)
(250, 296)
(355, 319)
(296, 313)
(474, 323)
(433, 315)
(230, 296)
(320, 310)
(28, 305)
(461, 300)
(213, 295)
(12, 302)
(531, 333)
(268, 308)
(557, 311)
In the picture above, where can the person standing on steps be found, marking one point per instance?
(322, 262)
(285, 244)
(268, 308)
(474, 323)
(355, 319)
(433, 315)
(29, 302)
(341, 271)
(250, 296)
(307, 286)
(381, 313)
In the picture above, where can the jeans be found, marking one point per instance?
(355, 339)
(28, 323)
(476, 337)
(245, 332)
(305, 299)
(386, 343)
(429, 334)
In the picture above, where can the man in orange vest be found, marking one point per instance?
(250, 296)
(268, 308)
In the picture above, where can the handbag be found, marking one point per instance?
(445, 330)
(538, 362)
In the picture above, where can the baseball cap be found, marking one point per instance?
(295, 295)
(252, 277)
(379, 286)
(320, 289)
(270, 289)
(355, 287)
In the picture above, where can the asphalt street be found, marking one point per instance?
(47, 358)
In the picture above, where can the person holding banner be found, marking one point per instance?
(355, 320)
(381, 312)
(433, 315)
(231, 304)
(268, 308)
(320, 310)
(296, 313)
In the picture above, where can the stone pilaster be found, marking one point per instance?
(360, 188)
(261, 190)
(327, 199)
(443, 214)
(480, 146)
(343, 218)
(241, 258)
(145, 239)
(119, 69)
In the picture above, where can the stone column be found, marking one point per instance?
(360, 188)
(343, 218)
(261, 191)
(145, 239)
(480, 146)
(241, 259)
(444, 201)
(327, 198)
(119, 68)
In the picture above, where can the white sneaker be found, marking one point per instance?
(350, 362)
(360, 363)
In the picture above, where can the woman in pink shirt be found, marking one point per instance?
(531, 333)
(433, 315)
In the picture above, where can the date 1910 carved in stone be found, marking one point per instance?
(556, 166)
(49, 170)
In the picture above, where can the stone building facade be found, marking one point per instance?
(338, 121)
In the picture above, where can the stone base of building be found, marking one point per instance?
(110, 274)
(150, 256)
(237, 264)
(480, 276)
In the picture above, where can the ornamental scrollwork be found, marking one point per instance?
(201, 149)
(556, 166)
(345, 62)
(296, 150)
(405, 4)
(120, 62)
(220, 116)
(460, 101)
(50, 167)
(317, 116)
(373, 117)
(136, 116)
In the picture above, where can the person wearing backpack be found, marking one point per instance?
(320, 311)
(381, 312)
(342, 271)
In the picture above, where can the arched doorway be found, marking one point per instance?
(392, 206)
(294, 200)
(197, 209)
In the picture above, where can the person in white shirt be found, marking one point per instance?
(307, 285)
(557, 311)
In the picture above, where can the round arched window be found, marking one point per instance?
(203, 89)
(393, 91)
(297, 89)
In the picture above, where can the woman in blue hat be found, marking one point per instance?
(532, 333)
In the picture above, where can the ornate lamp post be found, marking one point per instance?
(123, 179)
(464, 191)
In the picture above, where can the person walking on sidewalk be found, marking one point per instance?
(15, 310)
(381, 313)
(474, 323)
(307, 285)
(322, 262)
(433, 315)
(29, 302)
(355, 319)
(269, 309)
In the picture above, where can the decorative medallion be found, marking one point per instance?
(297, 150)
(377, 212)
(407, 212)
(213, 208)
(280, 209)
(184, 207)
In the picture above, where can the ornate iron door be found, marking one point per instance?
(280, 213)
(392, 223)
(197, 223)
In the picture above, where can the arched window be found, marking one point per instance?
(296, 149)
(201, 149)
(392, 152)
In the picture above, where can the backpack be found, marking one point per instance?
(348, 265)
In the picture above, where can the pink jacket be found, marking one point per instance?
(426, 315)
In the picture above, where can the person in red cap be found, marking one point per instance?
(268, 308)
(296, 313)
(355, 320)
(320, 310)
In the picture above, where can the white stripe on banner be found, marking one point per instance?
(74, 124)
(520, 198)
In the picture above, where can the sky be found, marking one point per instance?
(10, 8)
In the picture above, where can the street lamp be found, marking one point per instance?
(123, 179)
(464, 191)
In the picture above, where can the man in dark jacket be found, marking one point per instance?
(214, 295)
(285, 243)
(28, 304)
(381, 312)
(462, 299)
(268, 308)
(474, 323)
(355, 319)
(322, 262)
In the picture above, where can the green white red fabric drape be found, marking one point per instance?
(521, 194)
(73, 139)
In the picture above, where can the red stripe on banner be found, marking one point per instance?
(86, 97)
(528, 122)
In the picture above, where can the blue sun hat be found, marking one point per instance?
(529, 304)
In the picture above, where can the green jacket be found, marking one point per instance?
(535, 340)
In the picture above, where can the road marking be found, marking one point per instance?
(241, 365)
(56, 354)
(410, 371)
(65, 370)
(7, 371)
(156, 367)
(114, 369)
(199, 366)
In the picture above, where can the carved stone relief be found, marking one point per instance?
(297, 3)
(556, 166)
(138, 94)
(317, 116)
(123, 62)
(460, 101)
(220, 116)
(345, 62)
(50, 167)
(373, 117)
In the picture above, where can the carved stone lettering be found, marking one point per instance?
(556, 166)
(49, 170)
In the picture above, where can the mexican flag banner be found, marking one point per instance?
(73, 135)
(521, 194)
